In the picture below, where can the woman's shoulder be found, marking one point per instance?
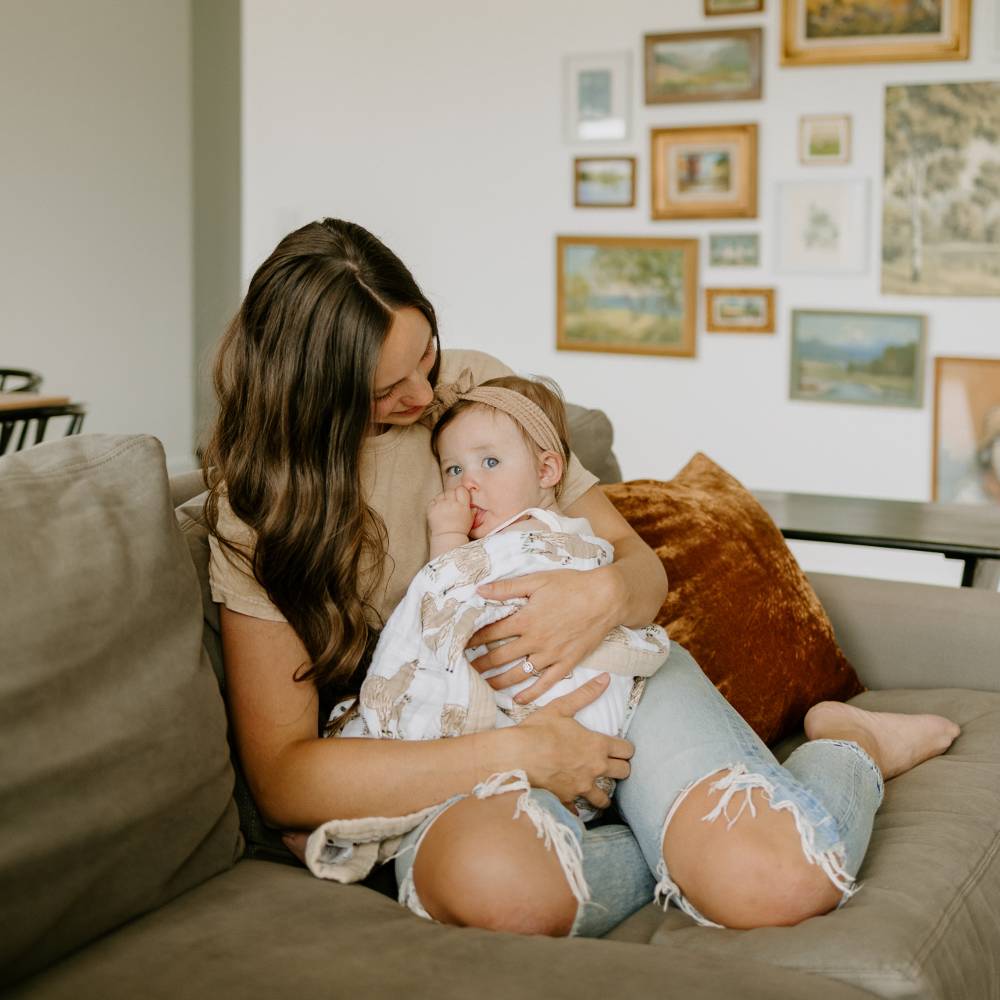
(482, 365)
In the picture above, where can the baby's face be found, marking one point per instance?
(483, 450)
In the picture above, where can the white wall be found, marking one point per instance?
(95, 256)
(438, 126)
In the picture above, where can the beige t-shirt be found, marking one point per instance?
(399, 476)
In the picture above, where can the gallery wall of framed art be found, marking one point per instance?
(454, 150)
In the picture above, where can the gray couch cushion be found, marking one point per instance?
(263, 931)
(115, 788)
(926, 922)
(590, 437)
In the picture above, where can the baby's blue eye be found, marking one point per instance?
(490, 462)
(453, 470)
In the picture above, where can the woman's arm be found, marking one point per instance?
(299, 781)
(569, 612)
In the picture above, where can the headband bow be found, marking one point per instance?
(522, 410)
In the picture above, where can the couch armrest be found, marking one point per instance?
(912, 635)
(186, 485)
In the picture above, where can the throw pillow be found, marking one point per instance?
(738, 600)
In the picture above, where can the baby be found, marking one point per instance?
(502, 472)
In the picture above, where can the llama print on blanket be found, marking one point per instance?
(387, 697)
(471, 563)
(562, 548)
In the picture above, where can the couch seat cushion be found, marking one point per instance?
(926, 922)
(115, 786)
(264, 930)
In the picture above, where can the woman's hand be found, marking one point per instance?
(561, 755)
(567, 615)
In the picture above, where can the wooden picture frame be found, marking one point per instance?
(715, 8)
(604, 181)
(739, 310)
(627, 294)
(689, 66)
(824, 140)
(880, 32)
(597, 97)
(857, 357)
(704, 172)
(965, 456)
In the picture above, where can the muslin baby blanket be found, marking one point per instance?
(421, 686)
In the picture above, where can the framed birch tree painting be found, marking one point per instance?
(941, 197)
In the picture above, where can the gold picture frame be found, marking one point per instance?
(604, 181)
(716, 8)
(627, 294)
(824, 140)
(681, 67)
(881, 32)
(704, 172)
(739, 310)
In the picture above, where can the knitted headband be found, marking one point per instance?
(519, 408)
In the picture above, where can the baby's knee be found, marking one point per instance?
(479, 867)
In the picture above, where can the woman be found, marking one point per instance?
(323, 472)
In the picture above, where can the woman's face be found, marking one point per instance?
(402, 389)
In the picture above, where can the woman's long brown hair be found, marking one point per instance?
(295, 379)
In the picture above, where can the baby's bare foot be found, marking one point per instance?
(897, 742)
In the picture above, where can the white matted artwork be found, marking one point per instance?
(823, 226)
(597, 97)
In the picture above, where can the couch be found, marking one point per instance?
(124, 872)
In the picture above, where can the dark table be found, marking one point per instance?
(959, 531)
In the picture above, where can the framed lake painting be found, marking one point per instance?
(941, 189)
(604, 181)
(817, 32)
(824, 139)
(703, 66)
(858, 357)
(704, 172)
(734, 250)
(966, 465)
(713, 7)
(626, 295)
(739, 310)
(597, 97)
(823, 226)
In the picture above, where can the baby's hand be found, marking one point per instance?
(451, 512)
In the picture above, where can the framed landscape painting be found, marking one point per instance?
(703, 66)
(824, 139)
(857, 357)
(734, 250)
(604, 181)
(626, 295)
(816, 32)
(966, 464)
(739, 310)
(597, 97)
(704, 172)
(941, 189)
(823, 226)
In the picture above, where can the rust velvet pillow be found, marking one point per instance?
(738, 600)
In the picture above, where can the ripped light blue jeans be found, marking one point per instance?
(683, 731)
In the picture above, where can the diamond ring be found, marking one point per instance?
(529, 668)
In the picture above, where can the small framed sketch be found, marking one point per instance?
(703, 66)
(824, 139)
(739, 310)
(817, 32)
(597, 97)
(857, 357)
(823, 226)
(713, 7)
(626, 295)
(966, 462)
(604, 181)
(734, 250)
(704, 172)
